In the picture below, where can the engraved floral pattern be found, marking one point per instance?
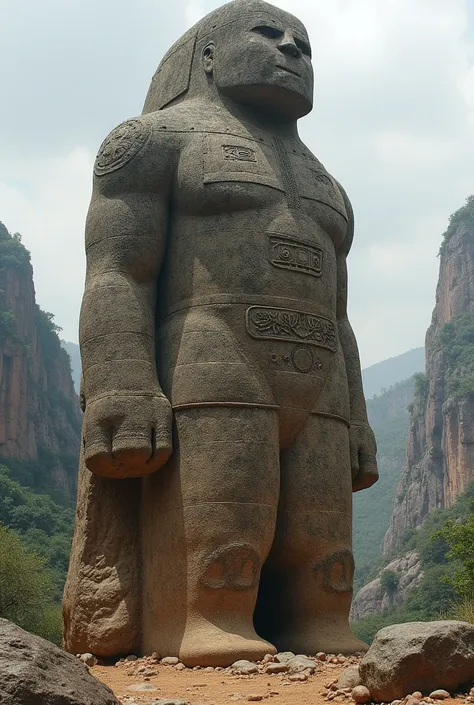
(296, 326)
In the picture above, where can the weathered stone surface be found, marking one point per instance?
(422, 656)
(219, 366)
(372, 599)
(440, 448)
(245, 667)
(349, 678)
(35, 672)
(361, 694)
(301, 663)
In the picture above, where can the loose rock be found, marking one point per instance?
(255, 698)
(298, 677)
(361, 695)
(404, 658)
(301, 663)
(88, 659)
(349, 678)
(321, 656)
(131, 657)
(170, 661)
(245, 668)
(284, 656)
(441, 694)
(169, 701)
(277, 668)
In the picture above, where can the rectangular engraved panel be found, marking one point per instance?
(237, 153)
(286, 253)
(269, 323)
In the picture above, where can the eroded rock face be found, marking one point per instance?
(440, 448)
(373, 599)
(418, 656)
(36, 672)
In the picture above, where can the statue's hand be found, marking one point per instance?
(127, 436)
(363, 450)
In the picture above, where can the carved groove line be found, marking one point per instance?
(288, 176)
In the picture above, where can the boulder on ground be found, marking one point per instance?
(422, 656)
(349, 678)
(34, 671)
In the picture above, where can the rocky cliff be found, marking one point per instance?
(440, 448)
(39, 412)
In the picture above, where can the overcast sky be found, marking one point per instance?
(393, 121)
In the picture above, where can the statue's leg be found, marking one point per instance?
(208, 525)
(102, 598)
(307, 580)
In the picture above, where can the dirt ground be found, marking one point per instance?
(211, 687)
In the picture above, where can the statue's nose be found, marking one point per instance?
(288, 46)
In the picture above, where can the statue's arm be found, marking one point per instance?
(127, 419)
(362, 440)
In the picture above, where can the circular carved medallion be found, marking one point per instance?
(302, 357)
(121, 145)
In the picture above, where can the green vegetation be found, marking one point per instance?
(422, 386)
(12, 253)
(27, 589)
(456, 339)
(444, 543)
(463, 216)
(389, 418)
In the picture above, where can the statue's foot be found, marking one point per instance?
(205, 644)
(330, 639)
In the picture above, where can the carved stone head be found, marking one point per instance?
(247, 50)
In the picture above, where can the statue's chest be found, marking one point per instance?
(240, 175)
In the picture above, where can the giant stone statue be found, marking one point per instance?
(225, 426)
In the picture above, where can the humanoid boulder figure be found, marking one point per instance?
(224, 420)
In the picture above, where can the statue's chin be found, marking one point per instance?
(273, 100)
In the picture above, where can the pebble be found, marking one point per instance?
(411, 700)
(131, 657)
(301, 663)
(180, 667)
(361, 694)
(298, 677)
(88, 659)
(208, 669)
(168, 701)
(156, 656)
(255, 698)
(284, 656)
(471, 692)
(417, 694)
(321, 656)
(440, 694)
(245, 668)
(170, 661)
(277, 668)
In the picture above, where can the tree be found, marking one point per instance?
(26, 587)
(460, 538)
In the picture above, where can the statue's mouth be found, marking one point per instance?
(286, 68)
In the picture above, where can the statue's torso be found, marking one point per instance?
(247, 296)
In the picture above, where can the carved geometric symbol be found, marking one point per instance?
(287, 253)
(302, 358)
(236, 566)
(238, 154)
(121, 145)
(337, 571)
(270, 323)
(322, 178)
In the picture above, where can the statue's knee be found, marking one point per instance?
(235, 566)
(336, 572)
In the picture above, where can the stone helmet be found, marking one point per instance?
(180, 75)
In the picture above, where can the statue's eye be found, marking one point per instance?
(304, 47)
(270, 32)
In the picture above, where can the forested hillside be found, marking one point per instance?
(389, 417)
(383, 375)
(40, 424)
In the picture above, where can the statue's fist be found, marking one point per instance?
(363, 448)
(127, 436)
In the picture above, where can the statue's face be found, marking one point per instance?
(264, 62)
